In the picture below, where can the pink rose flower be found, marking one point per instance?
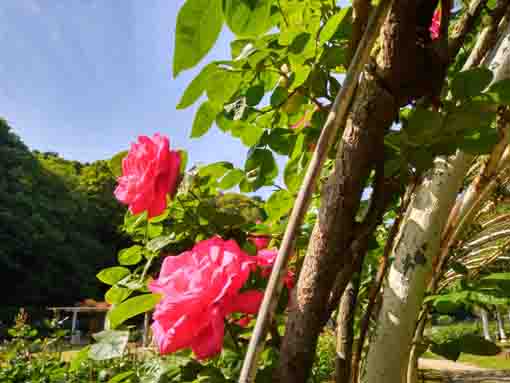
(265, 260)
(150, 171)
(434, 28)
(200, 288)
(260, 241)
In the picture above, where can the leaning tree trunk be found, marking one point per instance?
(336, 237)
(484, 316)
(417, 245)
(501, 325)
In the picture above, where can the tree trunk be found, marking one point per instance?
(416, 248)
(345, 330)
(484, 315)
(501, 325)
(416, 245)
(335, 240)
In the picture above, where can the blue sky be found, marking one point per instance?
(84, 78)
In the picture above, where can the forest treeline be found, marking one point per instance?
(58, 225)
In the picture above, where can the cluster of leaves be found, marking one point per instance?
(57, 221)
(466, 121)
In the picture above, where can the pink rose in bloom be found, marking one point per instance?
(200, 288)
(434, 28)
(260, 241)
(150, 171)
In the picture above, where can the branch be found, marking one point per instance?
(335, 120)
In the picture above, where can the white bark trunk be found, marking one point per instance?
(485, 324)
(501, 325)
(416, 245)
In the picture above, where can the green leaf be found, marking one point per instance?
(470, 83)
(422, 125)
(115, 163)
(130, 256)
(199, 24)
(155, 230)
(499, 92)
(254, 95)
(449, 303)
(132, 307)
(295, 171)
(231, 179)
(184, 160)
(197, 87)
(278, 97)
(79, 359)
(250, 134)
(481, 142)
(331, 26)
(221, 87)
(260, 168)
(121, 377)
(158, 243)
(279, 204)
(111, 344)
(116, 295)
(112, 275)
(204, 119)
(247, 18)
(301, 73)
(215, 170)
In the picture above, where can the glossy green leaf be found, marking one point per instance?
(221, 87)
(279, 204)
(130, 256)
(331, 26)
(470, 83)
(231, 179)
(204, 119)
(260, 168)
(116, 295)
(197, 87)
(198, 26)
(132, 307)
(216, 169)
(247, 18)
(254, 95)
(112, 275)
(295, 171)
(278, 97)
(111, 344)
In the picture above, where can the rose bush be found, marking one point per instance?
(150, 172)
